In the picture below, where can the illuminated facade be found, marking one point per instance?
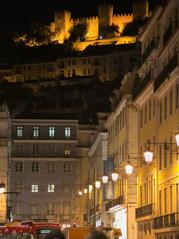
(157, 97)
(4, 158)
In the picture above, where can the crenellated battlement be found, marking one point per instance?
(123, 15)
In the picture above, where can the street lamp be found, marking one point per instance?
(148, 156)
(105, 179)
(80, 193)
(129, 169)
(2, 188)
(97, 184)
(90, 188)
(85, 190)
(114, 176)
(177, 138)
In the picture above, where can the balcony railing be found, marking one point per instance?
(142, 84)
(169, 220)
(115, 202)
(146, 210)
(170, 31)
(152, 45)
(172, 64)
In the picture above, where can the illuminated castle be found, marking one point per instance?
(96, 26)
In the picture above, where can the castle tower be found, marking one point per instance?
(4, 157)
(105, 14)
(140, 8)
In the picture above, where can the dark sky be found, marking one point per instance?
(17, 14)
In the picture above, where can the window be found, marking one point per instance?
(19, 186)
(34, 209)
(150, 109)
(165, 201)
(18, 166)
(51, 131)
(177, 96)
(66, 188)
(160, 110)
(35, 166)
(141, 118)
(160, 157)
(51, 188)
(89, 71)
(35, 131)
(66, 210)
(67, 152)
(67, 132)
(165, 156)
(50, 208)
(73, 62)
(19, 131)
(171, 199)
(84, 61)
(67, 167)
(51, 167)
(160, 202)
(165, 107)
(84, 71)
(34, 188)
(171, 101)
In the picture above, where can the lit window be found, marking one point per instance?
(51, 131)
(51, 188)
(18, 166)
(35, 166)
(19, 131)
(34, 188)
(67, 167)
(67, 151)
(35, 131)
(67, 132)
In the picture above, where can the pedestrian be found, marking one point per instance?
(55, 234)
(96, 234)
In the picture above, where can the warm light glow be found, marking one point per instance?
(85, 190)
(80, 192)
(148, 156)
(105, 179)
(129, 169)
(90, 187)
(114, 177)
(97, 184)
(177, 138)
(2, 188)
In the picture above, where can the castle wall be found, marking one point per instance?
(92, 26)
(122, 20)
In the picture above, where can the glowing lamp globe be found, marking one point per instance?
(177, 138)
(2, 188)
(129, 169)
(97, 184)
(148, 156)
(85, 190)
(90, 187)
(105, 179)
(114, 177)
(80, 192)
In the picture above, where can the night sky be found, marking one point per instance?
(17, 14)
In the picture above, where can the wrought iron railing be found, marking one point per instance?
(144, 211)
(172, 64)
(115, 202)
(168, 220)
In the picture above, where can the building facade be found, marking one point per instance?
(5, 147)
(46, 163)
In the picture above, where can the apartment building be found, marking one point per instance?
(108, 63)
(157, 97)
(46, 159)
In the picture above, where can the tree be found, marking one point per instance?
(78, 32)
(133, 28)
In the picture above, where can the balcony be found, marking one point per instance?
(152, 45)
(169, 31)
(146, 210)
(93, 211)
(115, 202)
(142, 84)
(168, 220)
(172, 64)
